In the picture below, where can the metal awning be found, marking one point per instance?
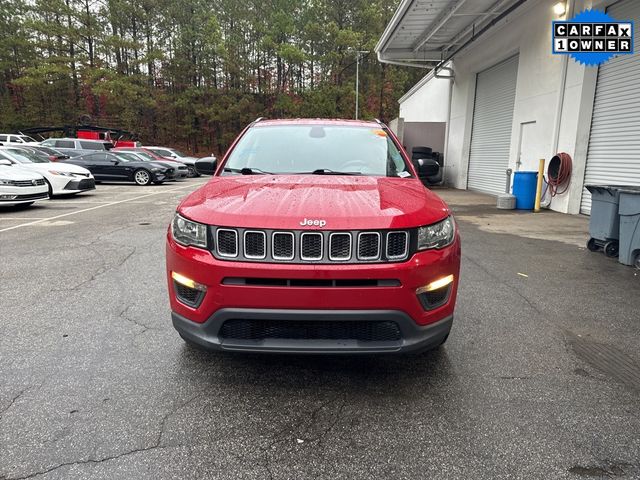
(425, 33)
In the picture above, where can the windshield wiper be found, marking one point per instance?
(247, 171)
(328, 171)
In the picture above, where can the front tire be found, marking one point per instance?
(49, 187)
(142, 177)
(192, 172)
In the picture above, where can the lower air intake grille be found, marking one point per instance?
(189, 296)
(374, 331)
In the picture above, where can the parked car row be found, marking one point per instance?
(59, 167)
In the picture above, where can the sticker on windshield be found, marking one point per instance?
(380, 133)
(404, 174)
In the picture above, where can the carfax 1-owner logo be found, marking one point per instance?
(592, 37)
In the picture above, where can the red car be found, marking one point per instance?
(313, 236)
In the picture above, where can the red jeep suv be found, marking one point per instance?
(313, 236)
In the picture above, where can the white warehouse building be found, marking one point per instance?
(501, 99)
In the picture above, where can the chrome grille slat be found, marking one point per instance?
(369, 245)
(27, 183)
(227, 242)
(255, 244)
(283, 245)
(397, 245)
(339, 246)
(310, 246)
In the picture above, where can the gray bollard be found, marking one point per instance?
(506, 201)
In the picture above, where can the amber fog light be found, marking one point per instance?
(436, 293)
(188, 291)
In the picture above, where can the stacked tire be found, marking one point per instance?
(428, 163)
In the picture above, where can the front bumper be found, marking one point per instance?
(310, 294)
(10, 196)
(414, 338)
(75, 186)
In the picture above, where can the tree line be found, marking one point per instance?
(192, 73)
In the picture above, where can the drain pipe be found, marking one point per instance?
(563, 85)
(445, 152)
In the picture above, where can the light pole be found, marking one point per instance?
(358, 53)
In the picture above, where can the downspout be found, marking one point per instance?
(448, 127)
(559, 107)
(563, 84)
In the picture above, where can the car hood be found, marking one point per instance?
(157, 164)
(14, 172)
(343, 202)
(55, 166)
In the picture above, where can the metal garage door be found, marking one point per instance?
(491, 131)
(614, 145)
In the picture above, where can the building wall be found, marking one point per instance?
(537, 116)
(428, 102)
(424, 134)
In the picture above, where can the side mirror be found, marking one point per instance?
(115, 162)
(206, 166)
(5, 162)
(426, 167)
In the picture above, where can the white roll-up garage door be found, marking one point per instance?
(491, 131)
(613, 157)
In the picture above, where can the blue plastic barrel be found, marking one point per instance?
(524, 189)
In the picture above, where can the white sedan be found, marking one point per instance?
(61, 178)
(20, 187)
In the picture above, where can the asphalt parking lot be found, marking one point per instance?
(539, 379)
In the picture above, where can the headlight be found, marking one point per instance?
(5, 182)
(186, 232)
(62, 174)
(438, 235)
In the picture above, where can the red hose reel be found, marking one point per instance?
(559, 173)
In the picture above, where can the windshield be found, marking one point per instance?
(126, 157)
(145, 156)
(330, 149)
(22, 156)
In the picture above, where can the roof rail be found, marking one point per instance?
(379, 122)
(258, 119)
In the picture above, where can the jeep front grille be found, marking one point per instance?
(310, 246)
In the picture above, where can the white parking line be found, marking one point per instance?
(99, 206)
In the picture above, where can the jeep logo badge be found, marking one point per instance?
(307, 222)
